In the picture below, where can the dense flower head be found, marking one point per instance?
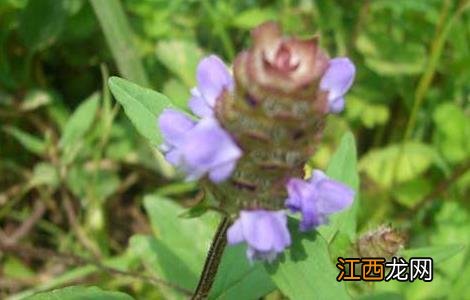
(265, 233)
(297, 85)
(317, 198)
(278, 63)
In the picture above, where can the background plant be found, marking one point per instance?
(80, 183)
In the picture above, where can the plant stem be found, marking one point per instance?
(442, 186)
(119, 37)
(213, 259)
(442, 30)
(428, 75)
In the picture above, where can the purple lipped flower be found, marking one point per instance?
(265, 233)
(317, 198)
(337, 80)
(213, 78)
(198, 148)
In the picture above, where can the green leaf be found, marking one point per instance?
(343, 167)
(80, 293)
(452, 134)
(178, 250)
(41, 22)
(45, 174)
(80, 121)
(16, 269)
(381, 296)
(251, 18)
(460, 286)
(142, 106)
(195, 211)
(411, 192)
(406, 163)
(305, 270)
(437, 253)
(368, 113)
(181, 57)
(122, 262)
(28, 141)
(190, 242)
(163, 262)
(239, 279)
(177, 92)
(381, 55)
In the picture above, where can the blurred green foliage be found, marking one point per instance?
(76, 177)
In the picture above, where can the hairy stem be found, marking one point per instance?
(212, 260)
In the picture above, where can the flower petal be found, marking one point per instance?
(256, 230)
(336, 105)
(298, 190)
(174, 156)
(209, 146)
(317, 175)
(311, 220)
(265, 231)
(338, 78)
(174, 125)
(198, 105)
(279, 224)
(235, 233)
(317, 198)
(222, 172)
(253, 254)
(334, 196)
(212, 78)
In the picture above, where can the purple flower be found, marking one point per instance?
(337, 80)
(317, 198)
(213, 78)
(198, 148)
(265, 233)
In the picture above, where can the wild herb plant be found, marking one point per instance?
(220, 132)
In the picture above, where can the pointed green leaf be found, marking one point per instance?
(179, 248)
(404, 162)
(437, 253)
(163, 262)
(141, 105)
(305, 270)
(239, 279)
(41, 22)
(80, 121)
(27, 140)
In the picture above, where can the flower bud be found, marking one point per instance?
(382, 242)
(284, 66)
